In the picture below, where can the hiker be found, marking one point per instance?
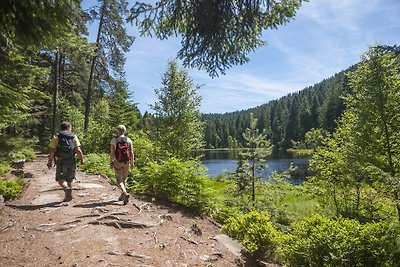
(63, 148)
(121, 158)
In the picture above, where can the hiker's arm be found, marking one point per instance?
(51, 157)
(132, 161)
(112, 156)
(78, 151)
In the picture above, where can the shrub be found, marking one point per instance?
(175, 180)
(11, 188)
(4, 168)
(26, 153)
(319, 241)
(256, 232)
(17, 148)
(99, 164)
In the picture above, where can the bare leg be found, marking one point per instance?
(63, 184)
(125, 195)
(122, 187)
(67, 187)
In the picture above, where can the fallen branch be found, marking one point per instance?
(189, 240)
(74, 221)
(214, 222)
(89, 215)
(136, 206)
(128, 253)
(64, 228)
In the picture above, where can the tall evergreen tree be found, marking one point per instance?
(177, 124)
(112, 42)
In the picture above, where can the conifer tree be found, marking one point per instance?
(177, 125)
(259, 148)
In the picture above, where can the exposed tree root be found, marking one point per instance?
(112, 220)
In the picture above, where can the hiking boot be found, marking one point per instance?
(121, 197)
(126, 199)
(68, 195)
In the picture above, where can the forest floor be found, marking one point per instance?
(95, 229)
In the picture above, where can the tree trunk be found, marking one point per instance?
(55, 93)
(89, 91)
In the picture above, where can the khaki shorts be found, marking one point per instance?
(121, 171)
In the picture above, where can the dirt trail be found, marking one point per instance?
(95, 229)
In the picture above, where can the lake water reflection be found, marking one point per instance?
(219, 161)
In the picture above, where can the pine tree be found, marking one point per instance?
(177, 125)
(259, 148)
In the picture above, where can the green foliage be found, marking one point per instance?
(177, 126)
(98, 164)
(145, 150)
(25, 153)
(215, 34)
(100, 132)
(258, 148)
(318, 241)
(107, 75)
(12, 103)
(216, 207)
(256, 232)
(175, 180)
(286, 203)
(36, 23)
(17, 148)
(4, 168)
(314, 138)
(11, 188)
(362, 154)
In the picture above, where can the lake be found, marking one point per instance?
(219, 161)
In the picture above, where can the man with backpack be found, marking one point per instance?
(63, 148)
(121, 157)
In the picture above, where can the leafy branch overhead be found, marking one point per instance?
(216, 34)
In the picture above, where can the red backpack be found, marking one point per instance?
(122, 151)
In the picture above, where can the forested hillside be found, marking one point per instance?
(284, 119)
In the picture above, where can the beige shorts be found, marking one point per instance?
(121, 171)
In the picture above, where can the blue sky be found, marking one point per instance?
(326, 37)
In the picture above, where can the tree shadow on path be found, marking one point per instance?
(99, 204)
(36, 207)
